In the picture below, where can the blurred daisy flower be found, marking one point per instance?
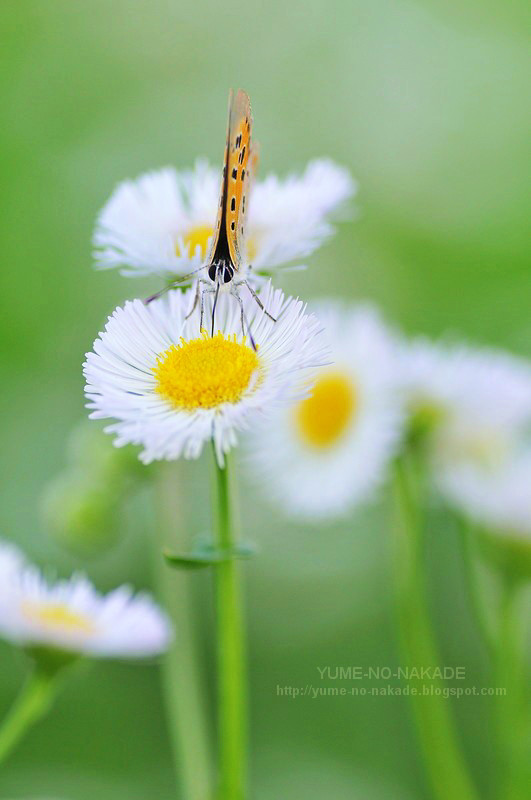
(329, 452)
(70, 615)
(475, 404)
(162, 222)
(11, 562)
(498, 497)
(473, 409)
(172, 387)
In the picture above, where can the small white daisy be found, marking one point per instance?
(495, 497)
(475, 402)
(172, 387)
(324, 455)
(11, 561)
(162, 222)
(71, 616)
(475, 406)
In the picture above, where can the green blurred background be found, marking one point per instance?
(425, 103)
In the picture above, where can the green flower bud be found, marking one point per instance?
(89, 448)
(81, 512)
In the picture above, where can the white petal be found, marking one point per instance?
(72, 616)
(315, 483)
(121, 383)
(145, 222)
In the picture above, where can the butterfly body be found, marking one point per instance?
(227, 259)
(228, 244)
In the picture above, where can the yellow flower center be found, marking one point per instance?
(196, 237)
(251, 249)
(205, 372)
(199, 236)
(59, 616)
(323, 417)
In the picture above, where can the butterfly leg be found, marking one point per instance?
(259, 302)
(203, 293)
(235, 294)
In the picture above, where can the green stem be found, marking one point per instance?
(33, 702)
(181, 669)
(475, 594)
(232, 715)
(512, 718)
(445, 766)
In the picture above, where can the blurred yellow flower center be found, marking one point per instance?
(323, 417)
(199, 236)
(205, 372)
(486, 447)
(251, 250)
(196, 237)
(58, 616)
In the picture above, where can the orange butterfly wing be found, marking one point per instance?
(237, 181)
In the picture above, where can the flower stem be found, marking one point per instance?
(473, 585)
(447, 772)
(181, 668)
(33, 702)
(512, 707)
(232, 714)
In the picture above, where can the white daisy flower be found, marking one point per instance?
(476, 402)
(326, 454)
(497, 498)
(475, 405)
(162, 222)
(11, 561)
(172, 387)
(71, 616)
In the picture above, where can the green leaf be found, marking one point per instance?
(208, 556)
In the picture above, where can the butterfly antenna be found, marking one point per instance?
(173, 284)
(214, 306)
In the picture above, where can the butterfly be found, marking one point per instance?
(226, 261)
